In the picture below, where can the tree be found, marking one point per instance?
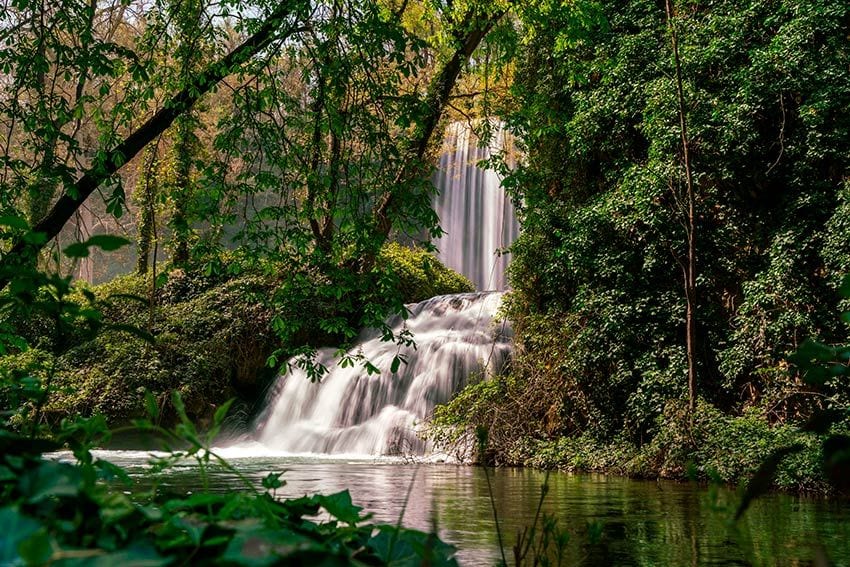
(146, 195)
(371, 116)
(108, 162)
(689, 268)
(598, 109)
(189, 19)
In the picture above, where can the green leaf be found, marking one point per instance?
(114, 507)
(35, 238)
(106, 242)
(161, 279)
(836, 461)
(844, 290)
(14, 529)
(77, 250)
(151, 405)
(810, 358)
(180, 407)
(221, 412)
(273, 481)
(51, 480)
(140, 554)
(111, 471)
(371, 368)
(762, 480)
(341, 507)
(257, 546)
(399, 546)
(36, 549)
(395, 364)
(17, 223)
(822, 420)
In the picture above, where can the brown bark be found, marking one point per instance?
(71, 200)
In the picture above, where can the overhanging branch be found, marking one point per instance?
(74, 196)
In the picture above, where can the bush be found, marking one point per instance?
(211, 342)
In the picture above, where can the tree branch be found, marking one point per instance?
(103, 169)
(438, 95)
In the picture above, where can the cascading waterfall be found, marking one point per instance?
(353, 412)
(477, 216)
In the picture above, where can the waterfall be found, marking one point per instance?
(456, 336)
(477, 216)
(353, 412)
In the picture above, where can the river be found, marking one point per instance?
(610, 520)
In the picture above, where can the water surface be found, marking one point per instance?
(610, 520)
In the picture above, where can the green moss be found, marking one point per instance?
(420, 275)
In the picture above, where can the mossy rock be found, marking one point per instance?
(420, 274)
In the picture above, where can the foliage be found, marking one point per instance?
(312, 157)
(818, 363)
(213, 334)
(597, 272)
(212, 340)
(420, 275)
(79, 512)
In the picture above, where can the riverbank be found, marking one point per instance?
(720, 448)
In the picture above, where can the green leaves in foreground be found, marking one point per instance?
(763, 479)
(71, 512)
(817, 363)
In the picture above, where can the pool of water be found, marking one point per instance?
(610, 520)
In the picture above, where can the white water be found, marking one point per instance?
(475, 213)
(352, 412)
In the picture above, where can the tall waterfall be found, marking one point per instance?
(475, 213)
(353, 412)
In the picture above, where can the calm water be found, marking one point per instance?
(639, 522)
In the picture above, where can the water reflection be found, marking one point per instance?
(641, 522)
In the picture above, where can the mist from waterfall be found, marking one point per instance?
(475, 213)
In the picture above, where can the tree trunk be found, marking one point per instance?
(188, 16)
(146, 201)
(181, 231)
(690, 282)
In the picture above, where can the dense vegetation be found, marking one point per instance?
(208, 337)
(682, 190)
(599, 271)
